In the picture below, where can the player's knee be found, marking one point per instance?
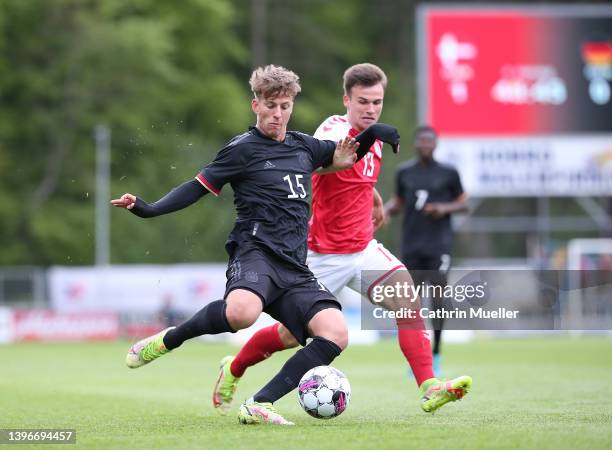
(242, 309)
(329, 323)
(396, 293)
(337, 334)
(288, 340)
(239, 319)
(340, 338)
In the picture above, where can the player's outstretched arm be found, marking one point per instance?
(439, 210)
(178, 198)
(381, 131)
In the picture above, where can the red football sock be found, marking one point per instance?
(415, 346)
(261, 345)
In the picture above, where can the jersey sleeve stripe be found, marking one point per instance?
(204, 182)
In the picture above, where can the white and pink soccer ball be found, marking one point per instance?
(324, 392)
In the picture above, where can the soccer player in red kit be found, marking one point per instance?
(342, 251)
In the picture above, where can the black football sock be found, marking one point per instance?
(437, 339)
(438, 325)
(209, 320)
(320, 352)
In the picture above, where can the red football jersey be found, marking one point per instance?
(341, 220)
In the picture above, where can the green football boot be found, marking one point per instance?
(146, 350)
(225, 387)
(252, 412)
(438, 393)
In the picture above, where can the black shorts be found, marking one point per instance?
(288, 294)
(431, 269)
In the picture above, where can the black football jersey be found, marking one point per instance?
(271, 183)
(418, 184)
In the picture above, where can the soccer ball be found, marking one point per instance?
(324, 392)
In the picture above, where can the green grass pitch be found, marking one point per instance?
(536, 393)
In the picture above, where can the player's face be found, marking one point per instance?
(425, 144)
(364, 105)
(273, 114)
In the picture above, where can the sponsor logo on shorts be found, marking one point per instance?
(251, 276)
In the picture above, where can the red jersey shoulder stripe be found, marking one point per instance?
(207, 184)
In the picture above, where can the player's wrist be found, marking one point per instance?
(141, 208)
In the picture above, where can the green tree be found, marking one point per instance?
(68, 65)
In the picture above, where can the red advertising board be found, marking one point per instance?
(47, 325)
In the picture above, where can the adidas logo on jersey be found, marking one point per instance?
(269, 165)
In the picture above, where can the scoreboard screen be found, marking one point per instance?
(518, 71)
(519, 82)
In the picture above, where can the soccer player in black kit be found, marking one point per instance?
(269, 170)
(429, 192)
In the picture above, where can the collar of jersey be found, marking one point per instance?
(257, 132)
(353, 132)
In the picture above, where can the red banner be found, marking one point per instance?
(45, 325)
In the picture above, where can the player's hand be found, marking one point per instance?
(435, 210)
(388, 134)
(345, 156)
(126, 201)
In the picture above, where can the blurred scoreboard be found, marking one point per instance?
(521, 96)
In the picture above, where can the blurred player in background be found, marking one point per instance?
(346, 210)
(429, 193)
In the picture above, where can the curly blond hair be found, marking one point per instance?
(274, 81)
